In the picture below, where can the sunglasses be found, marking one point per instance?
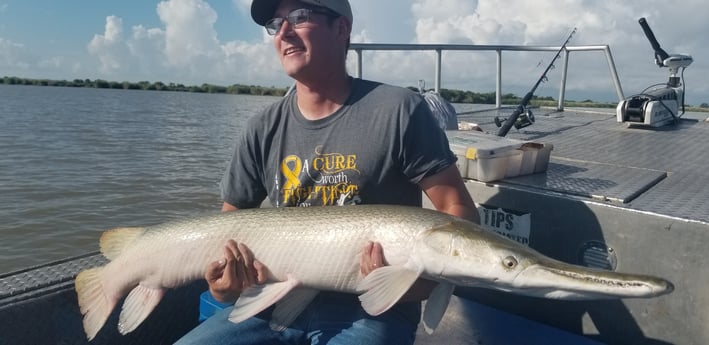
(294, 18)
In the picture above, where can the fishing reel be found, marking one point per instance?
(525, 119)
(522, 117)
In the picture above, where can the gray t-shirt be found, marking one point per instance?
(373, 150)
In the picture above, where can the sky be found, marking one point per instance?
(215, 41)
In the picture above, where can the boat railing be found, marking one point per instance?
(359, 48)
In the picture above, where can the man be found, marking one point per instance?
(336, 141)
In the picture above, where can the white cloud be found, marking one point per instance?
(13, 56)
(109, 47)
(243, 5)
(252, 62)
(190, 38)
(147, 44)
(186, 49)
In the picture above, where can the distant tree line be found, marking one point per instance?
(146, 85)
(453, 96)
(459, 96)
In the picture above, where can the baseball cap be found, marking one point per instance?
(262, 10)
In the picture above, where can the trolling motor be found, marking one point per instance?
(658, 105)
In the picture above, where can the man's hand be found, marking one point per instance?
(237, 271)
(372, 258)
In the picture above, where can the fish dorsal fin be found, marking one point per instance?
(436, 306)
(114, 241)
(385, 286)
(288, 308)
(138, 305)
(259, 297)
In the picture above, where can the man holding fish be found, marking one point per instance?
(336, 140)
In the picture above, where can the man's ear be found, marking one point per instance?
(344, 27)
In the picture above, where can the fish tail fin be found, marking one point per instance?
(114, 241)
(93, 302)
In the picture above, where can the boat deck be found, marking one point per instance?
(662, 170)
(615, 197)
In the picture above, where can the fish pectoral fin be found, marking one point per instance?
(138, 305)
(385, 286)
(259, 297)
(290, 306)
(436, 306)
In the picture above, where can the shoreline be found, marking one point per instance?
(453, 96)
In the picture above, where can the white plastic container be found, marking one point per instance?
(535, 158)
(486, 157)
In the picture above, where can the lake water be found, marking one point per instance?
(76, 161)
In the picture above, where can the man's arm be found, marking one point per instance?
(449, 195)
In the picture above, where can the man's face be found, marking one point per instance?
(310, 48)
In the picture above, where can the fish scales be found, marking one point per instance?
(332, 236)
(320, 248)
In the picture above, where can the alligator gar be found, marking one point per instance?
(318, 248)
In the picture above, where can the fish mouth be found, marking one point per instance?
(577, 282)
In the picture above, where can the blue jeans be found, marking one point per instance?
(331, 318)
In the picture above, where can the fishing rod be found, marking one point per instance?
(514, 119)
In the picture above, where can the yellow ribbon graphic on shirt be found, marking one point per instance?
(291, 175)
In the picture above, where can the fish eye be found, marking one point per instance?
(509, 262)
